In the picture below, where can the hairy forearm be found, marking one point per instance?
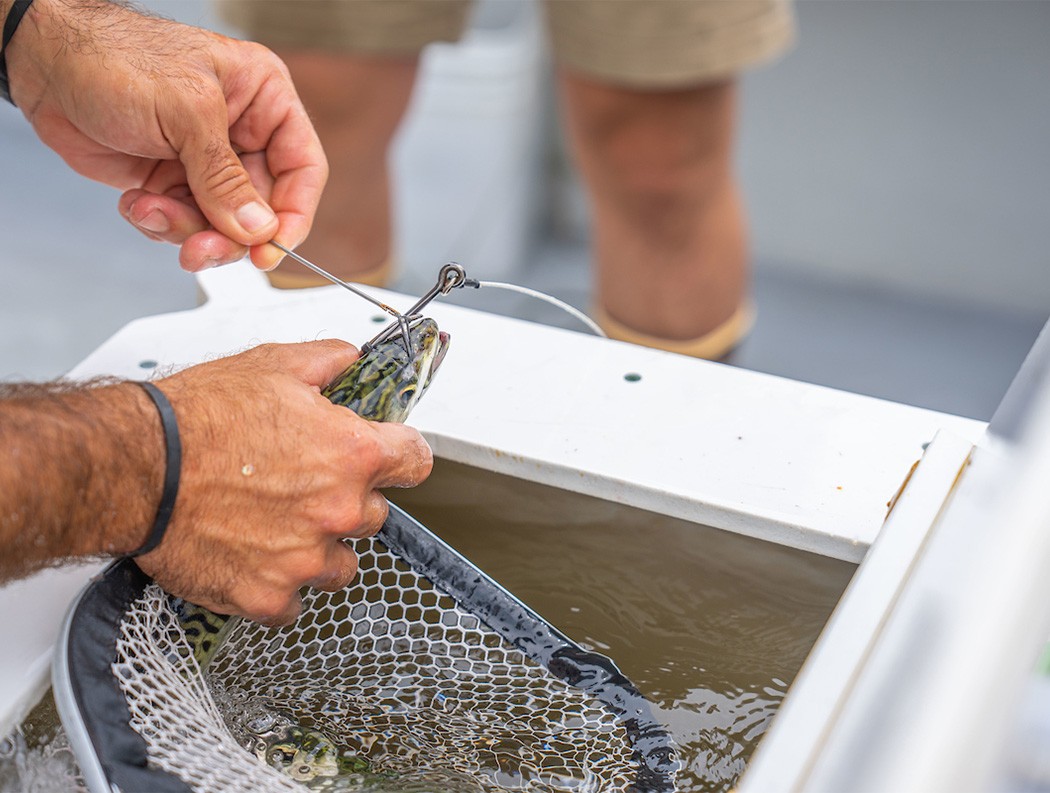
(80, 472)
(93, 29)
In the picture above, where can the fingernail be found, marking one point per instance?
(273, 266)
(155, 221)
(254, 216)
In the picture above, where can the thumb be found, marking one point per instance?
(221, 186)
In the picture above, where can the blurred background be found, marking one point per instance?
(894, 163)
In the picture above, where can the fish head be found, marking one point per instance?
(386, 383)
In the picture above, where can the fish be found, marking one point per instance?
(300, 753)
(387, 382)
(384, 384)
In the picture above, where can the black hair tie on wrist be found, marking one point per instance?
(173, 449)
(14, 16)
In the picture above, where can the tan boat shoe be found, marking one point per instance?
(713, 346)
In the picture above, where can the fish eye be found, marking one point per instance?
(281, 755)
(406, 394)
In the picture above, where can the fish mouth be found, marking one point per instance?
(439, 356)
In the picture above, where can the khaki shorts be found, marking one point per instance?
(645, 43)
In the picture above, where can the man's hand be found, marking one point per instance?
(205, 134)
(274, 476)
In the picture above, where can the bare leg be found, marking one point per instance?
(356, 104)
(669, 236)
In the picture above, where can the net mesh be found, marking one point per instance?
(385, 685)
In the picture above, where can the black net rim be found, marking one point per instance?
(94, 628)
(100, 711)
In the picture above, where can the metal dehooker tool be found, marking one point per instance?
(451, 276)
(325, 274)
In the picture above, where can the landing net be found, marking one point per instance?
(392, 684)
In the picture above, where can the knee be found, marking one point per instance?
(656, 146)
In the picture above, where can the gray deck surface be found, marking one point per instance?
(72, 271)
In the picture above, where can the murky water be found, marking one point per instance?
(711, 626)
